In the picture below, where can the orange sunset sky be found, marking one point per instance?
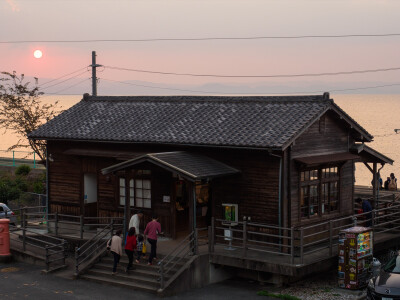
(49, 20)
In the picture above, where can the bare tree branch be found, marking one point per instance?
(22, 111)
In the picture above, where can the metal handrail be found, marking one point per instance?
(174, 256)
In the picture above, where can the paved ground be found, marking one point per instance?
(23, 281)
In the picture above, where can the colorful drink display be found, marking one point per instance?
(364, 244)
(355, 257)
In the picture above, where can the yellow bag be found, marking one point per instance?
(144, 249)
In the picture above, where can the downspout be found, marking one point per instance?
(279, 196)
(47, 190)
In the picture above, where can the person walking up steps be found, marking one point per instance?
(116, 249)
(152, 229)
(130, 247)
(135, 221)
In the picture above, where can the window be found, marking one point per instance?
(139, 190)
(319, 191)
(143, 193)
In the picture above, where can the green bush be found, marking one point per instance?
(22, 170)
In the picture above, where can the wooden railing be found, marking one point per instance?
(51, 249)
(296, 243)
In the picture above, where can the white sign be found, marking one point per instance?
(166, 199)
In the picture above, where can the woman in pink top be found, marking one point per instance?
(152, 229)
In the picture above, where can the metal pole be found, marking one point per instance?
(34, 160)
(81, 226)
(244, 238)
(13, 158)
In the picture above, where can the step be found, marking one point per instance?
(140, 271)
(118, 282)
(131, 276)
(124, 260)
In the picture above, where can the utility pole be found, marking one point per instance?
(94, 77)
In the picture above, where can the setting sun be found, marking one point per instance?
(37, 54)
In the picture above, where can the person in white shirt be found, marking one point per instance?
(135, 221)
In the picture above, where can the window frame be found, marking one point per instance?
(133, 177)
(306, 181)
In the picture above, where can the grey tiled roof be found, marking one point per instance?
(189, 165)
(266, 122)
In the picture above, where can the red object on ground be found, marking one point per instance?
(4, 237)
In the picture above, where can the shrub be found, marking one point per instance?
(22, 170)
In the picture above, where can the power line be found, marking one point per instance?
(47, 87)
(58, 92)
(249, 93)
(256, 76)
(204, 38)
(47, 82)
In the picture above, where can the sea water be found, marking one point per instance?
(378, 114)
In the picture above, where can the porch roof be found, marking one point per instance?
(367, 154)
(190, 166)
(328, 158)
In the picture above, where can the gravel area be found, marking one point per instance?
(320, 287)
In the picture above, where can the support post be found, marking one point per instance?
(196, 243)
(24, 239)
(301, 245)
(330, 237)
(374, 220)
(211, 238)
(76, 261)
(244, 239)
(56, 223)
(292, 245)
(94, 76)
(374, 184)
(47, 257)
(81, 226)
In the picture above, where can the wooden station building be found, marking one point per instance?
(286, 161)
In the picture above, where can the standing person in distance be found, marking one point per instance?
(130, 247)
(115, 245)
(392, 182)
(366, 208)
(135, 221)
(152, 229)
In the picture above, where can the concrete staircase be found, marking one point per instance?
(142, 277)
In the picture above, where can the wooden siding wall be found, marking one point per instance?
(255, 189)
(334, 139)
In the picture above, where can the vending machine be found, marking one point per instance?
(355, 257)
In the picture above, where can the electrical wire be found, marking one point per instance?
(58, 92)
(47, 82)
(256, 76)
(47, 87)
(204, 38)
(249, 93)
